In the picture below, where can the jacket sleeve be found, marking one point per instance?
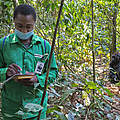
(53, 69)
(3, 69)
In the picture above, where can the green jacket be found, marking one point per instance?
(16, 96)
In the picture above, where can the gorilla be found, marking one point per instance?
(114, 73)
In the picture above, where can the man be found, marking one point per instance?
(24, 53)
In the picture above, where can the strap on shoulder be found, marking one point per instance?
(45, 45)
(3, 42)
(2, 50)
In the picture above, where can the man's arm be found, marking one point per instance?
(3, 69)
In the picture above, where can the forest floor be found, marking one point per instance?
(102, 70)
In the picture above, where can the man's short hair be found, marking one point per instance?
(25, 9)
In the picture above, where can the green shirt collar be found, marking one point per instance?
(15, 39)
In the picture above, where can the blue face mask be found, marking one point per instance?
(23, 36)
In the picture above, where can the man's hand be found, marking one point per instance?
(29, 82)
(15, 69)
(12, 70)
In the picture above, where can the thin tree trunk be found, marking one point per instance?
(93, 52)
(114, 30)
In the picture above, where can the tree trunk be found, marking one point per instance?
(114, 29)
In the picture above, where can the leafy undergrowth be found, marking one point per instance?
(70, 104)
(76, 97)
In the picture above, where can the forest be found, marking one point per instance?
(87, 36)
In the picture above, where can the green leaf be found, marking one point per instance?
(98, 114)
(61, 115)
(66, 94)
(54, 91)
(53, 6)
(117, 117)
(118, 84)
(92, 85)
(20, 112)
(8, 115)
(108, 91)
(54, 108)
(74, 85)
(32, 107)
(70, 116)
(108, 98)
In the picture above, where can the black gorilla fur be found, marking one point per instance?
(115, 68)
